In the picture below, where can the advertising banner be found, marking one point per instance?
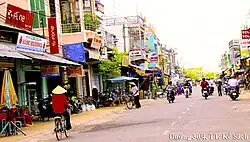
(74, 52)
(75, 71)
(96, 39)
(53, 37)
(50, 70)
(153, 56)
(244, 48)
(19, 17)
(30, 43)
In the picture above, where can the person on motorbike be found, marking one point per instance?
(204, 84)
(59, 102)
(187, 84)
(211, 85)
(233, 83)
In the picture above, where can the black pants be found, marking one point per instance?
(137, 101)
(67, 119)
(219, 91)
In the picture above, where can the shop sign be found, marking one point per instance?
(53, 37)
(153, 57)
(75, 71)
(6, 65)
(19, 17)
(245, 34)
(30, 43)
(244, 48)
(50, 70)
(74, 52)
(96, 39)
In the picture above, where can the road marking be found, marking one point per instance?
(188, 108)
(173, 123)
(183, 112)
(165, 133)
(179, 117)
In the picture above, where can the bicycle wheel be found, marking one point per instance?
(58, 130)
(129, 103)
(64, 129)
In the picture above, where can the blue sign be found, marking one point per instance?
(74, 52)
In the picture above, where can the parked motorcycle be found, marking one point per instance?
(186, 91)
(45, 109)
(233, 93)
(170, 95)
(205, 92)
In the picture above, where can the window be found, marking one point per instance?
(38, 7)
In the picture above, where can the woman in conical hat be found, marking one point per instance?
(59, 101)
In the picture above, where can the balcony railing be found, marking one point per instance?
(91, 27)
(71, 22)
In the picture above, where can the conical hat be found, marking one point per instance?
(59, 90)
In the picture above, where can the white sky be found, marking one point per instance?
(197, 28)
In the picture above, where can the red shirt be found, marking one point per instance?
(59, 102)
(204, 84)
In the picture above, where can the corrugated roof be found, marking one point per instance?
(8, 50)
(48, 57)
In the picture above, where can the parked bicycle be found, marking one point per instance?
(129, 101)
(60, 127)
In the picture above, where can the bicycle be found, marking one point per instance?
(60, 127)
(129, 101)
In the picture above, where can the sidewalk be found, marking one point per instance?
(86, 118)
(245, 95)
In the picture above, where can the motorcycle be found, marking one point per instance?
(170, 95)
(205, 92)
(233, 93)
(211, 90)
(186, 91)
(45, 109)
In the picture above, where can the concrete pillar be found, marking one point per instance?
(44, 88)
(22, 95)
(79, 87)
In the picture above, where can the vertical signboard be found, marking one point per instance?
(245, 34)
(244, 51)
(19, 17)
(53, 37)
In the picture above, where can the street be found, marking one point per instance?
(194, 119)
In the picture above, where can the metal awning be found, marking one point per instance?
(8, 50)
(48, 57)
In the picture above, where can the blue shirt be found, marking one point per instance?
(187, 84)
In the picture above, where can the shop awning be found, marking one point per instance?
(122, 79)
(140, 70)
(48, 57)
(8, 50)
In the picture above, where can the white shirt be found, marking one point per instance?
(211, 83)
(233, 82)
(134, 90)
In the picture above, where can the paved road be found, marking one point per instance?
(193, 119)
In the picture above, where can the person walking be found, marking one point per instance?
(219, 87)
(179, 89)
(135, 93)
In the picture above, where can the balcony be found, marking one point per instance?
(71, 22)
(91, 27)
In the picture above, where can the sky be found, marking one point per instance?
(200, 30)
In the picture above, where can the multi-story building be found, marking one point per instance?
(72, 34)
(130, 33)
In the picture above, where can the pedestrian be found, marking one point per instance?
(179, 89)
(135, 93)
(219, 87)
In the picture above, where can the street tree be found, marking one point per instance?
(111, 67)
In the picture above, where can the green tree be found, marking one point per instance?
(111, 67)
(90, 22)
(193, 73)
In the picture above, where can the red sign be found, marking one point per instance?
(19, 17)
(53, 38)
(245, 34)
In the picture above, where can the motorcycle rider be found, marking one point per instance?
(204, 84)
(187, 84)
(211, 87)
(233, 83)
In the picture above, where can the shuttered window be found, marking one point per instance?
(38, 7)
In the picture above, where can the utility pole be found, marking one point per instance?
(124, 37)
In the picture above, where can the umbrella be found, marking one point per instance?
(8, 93)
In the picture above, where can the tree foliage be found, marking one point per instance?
(88, 20)
(111, 67)
(198, 73)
